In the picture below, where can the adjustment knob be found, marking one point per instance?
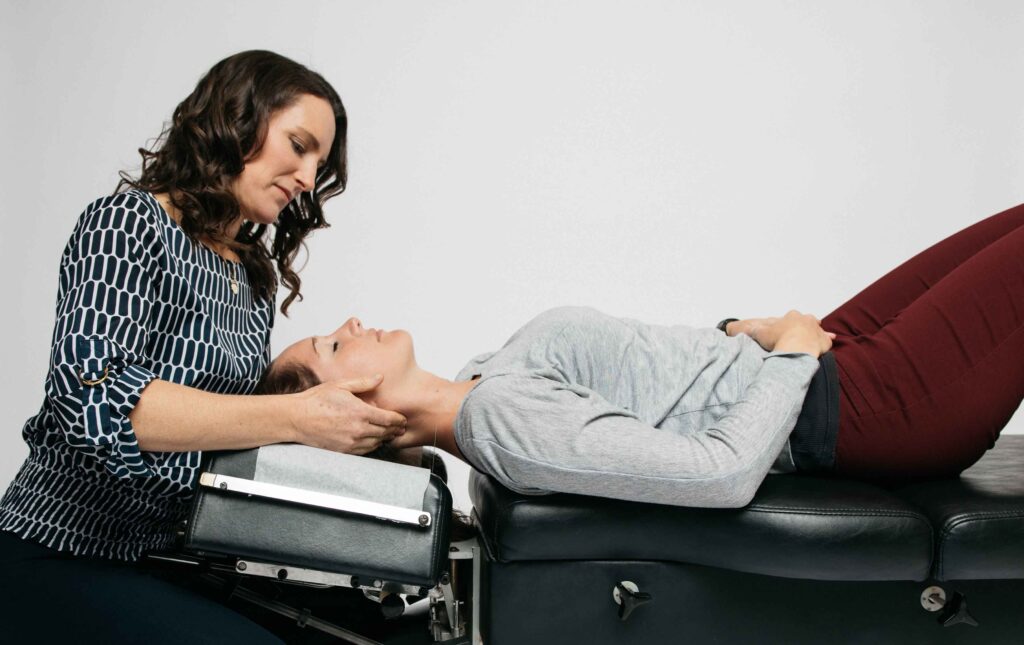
(933, 598)
(392, 606)
(628, 597)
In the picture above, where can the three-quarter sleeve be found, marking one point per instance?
(109, 278)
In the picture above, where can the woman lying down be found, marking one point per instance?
(581, 402)
(924, 372)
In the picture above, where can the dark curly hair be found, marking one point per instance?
(212, 133)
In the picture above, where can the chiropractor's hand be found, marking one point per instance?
(794, 332)
(331, 416)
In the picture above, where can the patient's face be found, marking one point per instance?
(353, 351)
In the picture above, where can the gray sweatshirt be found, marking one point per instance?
(581, 402)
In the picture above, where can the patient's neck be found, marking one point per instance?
(430, 404)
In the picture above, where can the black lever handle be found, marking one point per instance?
(392, 606)
(956, 612)
(630, 600)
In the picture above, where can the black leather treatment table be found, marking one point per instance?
(810, 560)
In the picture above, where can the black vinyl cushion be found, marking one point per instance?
(978, 518)
(230, 524)
(796, 527)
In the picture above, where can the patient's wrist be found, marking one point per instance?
(797, 342)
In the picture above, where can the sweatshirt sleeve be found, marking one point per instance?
(104, 304)
(537, 435)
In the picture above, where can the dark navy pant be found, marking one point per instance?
(931, 356)
(51, 597)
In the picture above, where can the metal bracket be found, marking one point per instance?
(312, 498)
(302, 617)
(448, 620)
(314, 577)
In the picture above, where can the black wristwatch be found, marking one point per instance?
(721, 325)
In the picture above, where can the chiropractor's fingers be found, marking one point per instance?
(364, 446)
(361, 385)
(378, 425)
(382, 425)
(367, 444)
(336, 419)
(393, 422)
(374, 436)
(381, 418)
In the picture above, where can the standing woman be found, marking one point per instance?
(164, 310)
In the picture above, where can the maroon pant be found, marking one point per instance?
(931, 356)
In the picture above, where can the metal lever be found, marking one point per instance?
(313, 498)
(628, 596)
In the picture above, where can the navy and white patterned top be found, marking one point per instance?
(138, 300)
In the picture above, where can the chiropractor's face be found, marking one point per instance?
(353, 351)
(297, 143)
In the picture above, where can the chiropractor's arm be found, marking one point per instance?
(102, 387)
(172, 417)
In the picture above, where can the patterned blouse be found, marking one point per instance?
(138, 300)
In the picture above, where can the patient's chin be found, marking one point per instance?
(403, 339)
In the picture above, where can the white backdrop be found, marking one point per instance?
(670, 161)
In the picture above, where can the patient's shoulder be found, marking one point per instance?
(555, 322)
(511, 392)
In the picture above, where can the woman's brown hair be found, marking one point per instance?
(212, 133)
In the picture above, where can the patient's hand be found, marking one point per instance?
(748, 326)
(331, 416)
(766, 331)
(802, 332)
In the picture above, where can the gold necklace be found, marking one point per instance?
(233, 277)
